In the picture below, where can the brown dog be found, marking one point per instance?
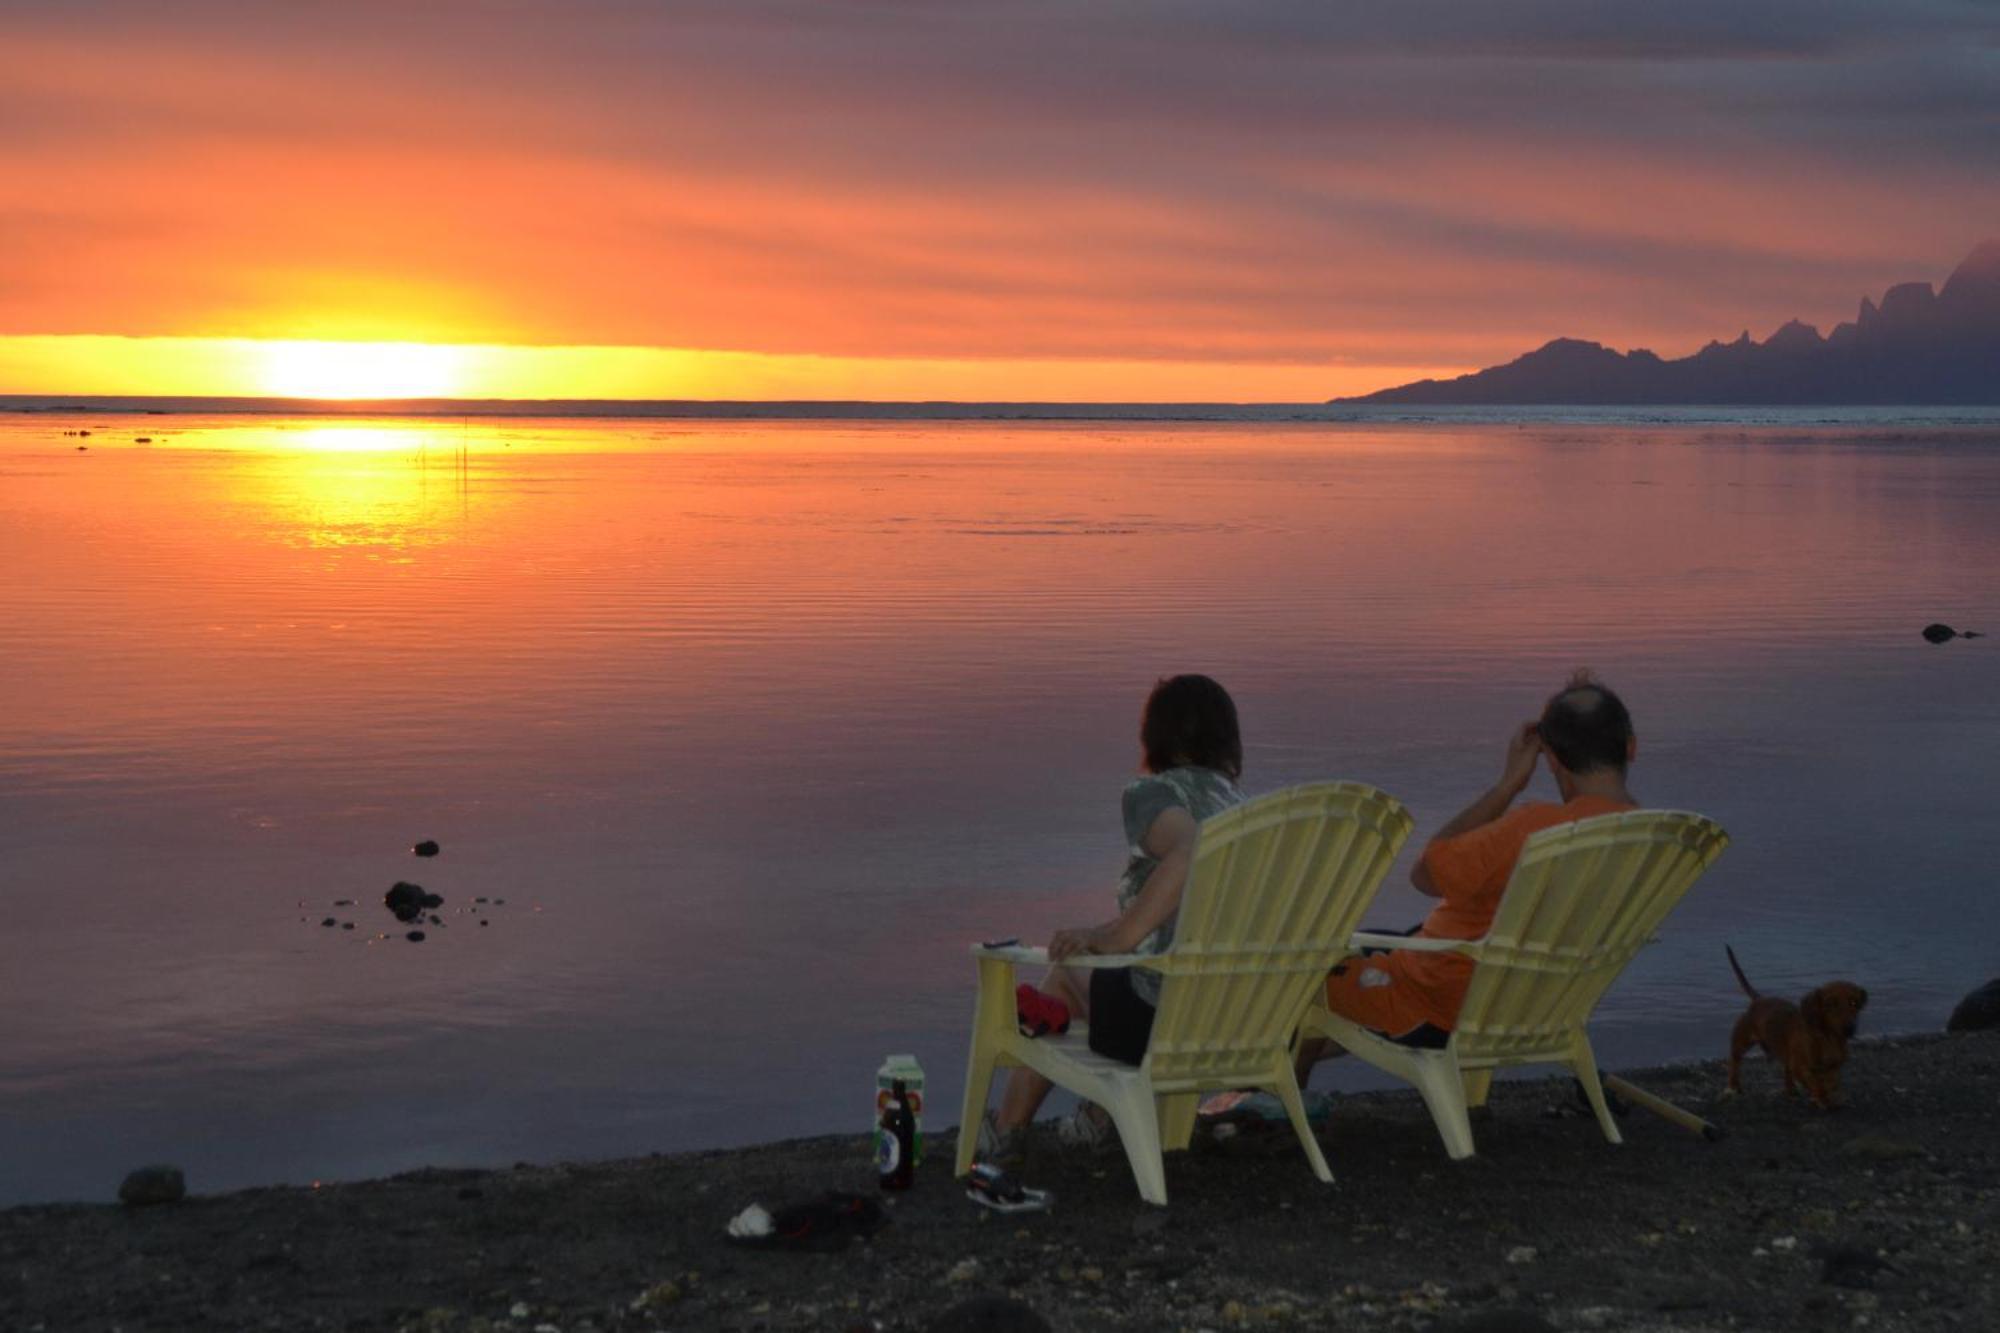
(1808, 1039)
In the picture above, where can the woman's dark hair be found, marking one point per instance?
(1191, 720)
(1585, 726)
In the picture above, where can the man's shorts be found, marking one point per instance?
(1363, 991)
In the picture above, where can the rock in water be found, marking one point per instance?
(1936, 633)
(410, 901)
(990, 1314)
(1978, 1011)
(150, 1185)
(425, 848)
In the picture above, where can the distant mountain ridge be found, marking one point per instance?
(1917, 347)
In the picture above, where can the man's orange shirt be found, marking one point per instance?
(1471, 871)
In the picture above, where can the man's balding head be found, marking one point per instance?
(1585, 727)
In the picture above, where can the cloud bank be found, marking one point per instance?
(1283, 183)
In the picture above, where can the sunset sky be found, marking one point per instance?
(1111, 199)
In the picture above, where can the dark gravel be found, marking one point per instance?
(1880, 1216)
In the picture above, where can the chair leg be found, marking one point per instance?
(978, 1086)
(1584, 1065)
(1176, 1112)
(1133, 1112)
(1287, 1088)
(1477, 1083)
(1443, 1091)
(995, 1004)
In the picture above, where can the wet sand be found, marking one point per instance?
(1883, 1215)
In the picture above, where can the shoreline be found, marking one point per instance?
(1881, 1215)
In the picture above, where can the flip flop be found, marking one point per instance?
(990, 1187)
(1263, 1108)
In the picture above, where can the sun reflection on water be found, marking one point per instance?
(392, 488)
(357, 439)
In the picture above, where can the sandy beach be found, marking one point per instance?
(1880, 1215)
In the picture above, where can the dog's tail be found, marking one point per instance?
(1741, 980)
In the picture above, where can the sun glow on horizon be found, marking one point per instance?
(344, 370)
(353, 370)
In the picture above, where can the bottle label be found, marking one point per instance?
(888, 1154)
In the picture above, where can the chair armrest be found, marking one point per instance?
(1039, 957)
(1362, 939)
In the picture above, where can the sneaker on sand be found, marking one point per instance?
(1087, 1128)
(1003, 1147)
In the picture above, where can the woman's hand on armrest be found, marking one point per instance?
(1084, 939)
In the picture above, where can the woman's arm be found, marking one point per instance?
(1171, 838)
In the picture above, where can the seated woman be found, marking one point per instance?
(1193, 756)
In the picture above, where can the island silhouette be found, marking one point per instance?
(1918, 346)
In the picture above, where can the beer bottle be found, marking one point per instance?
(896, 1152)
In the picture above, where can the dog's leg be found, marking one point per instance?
(1739, 1042)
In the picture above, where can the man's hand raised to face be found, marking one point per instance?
(1524, 747)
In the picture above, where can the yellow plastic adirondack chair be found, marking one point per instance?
(1583, 899)
(1277, 886)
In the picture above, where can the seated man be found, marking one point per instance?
(1586, 736)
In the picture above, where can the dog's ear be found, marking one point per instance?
(1860, 999)
(1813, 1008)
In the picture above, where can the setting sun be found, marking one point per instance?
(302, 369)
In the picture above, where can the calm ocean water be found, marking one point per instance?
(755, 724)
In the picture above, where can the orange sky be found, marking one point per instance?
(861, 198)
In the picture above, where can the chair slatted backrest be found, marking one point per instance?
(1277, 886)
(1583, 899)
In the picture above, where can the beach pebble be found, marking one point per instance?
(657, 1296)
(1501, 1321)
(415, 937)
(1881, 1148)
(425, 848)
(1522, 1254)
(151, 1185)
(965, 1270)
(329, 922)
(1849, 1266)
(989, 1314)
(1978, 1011)
(519, 1310)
